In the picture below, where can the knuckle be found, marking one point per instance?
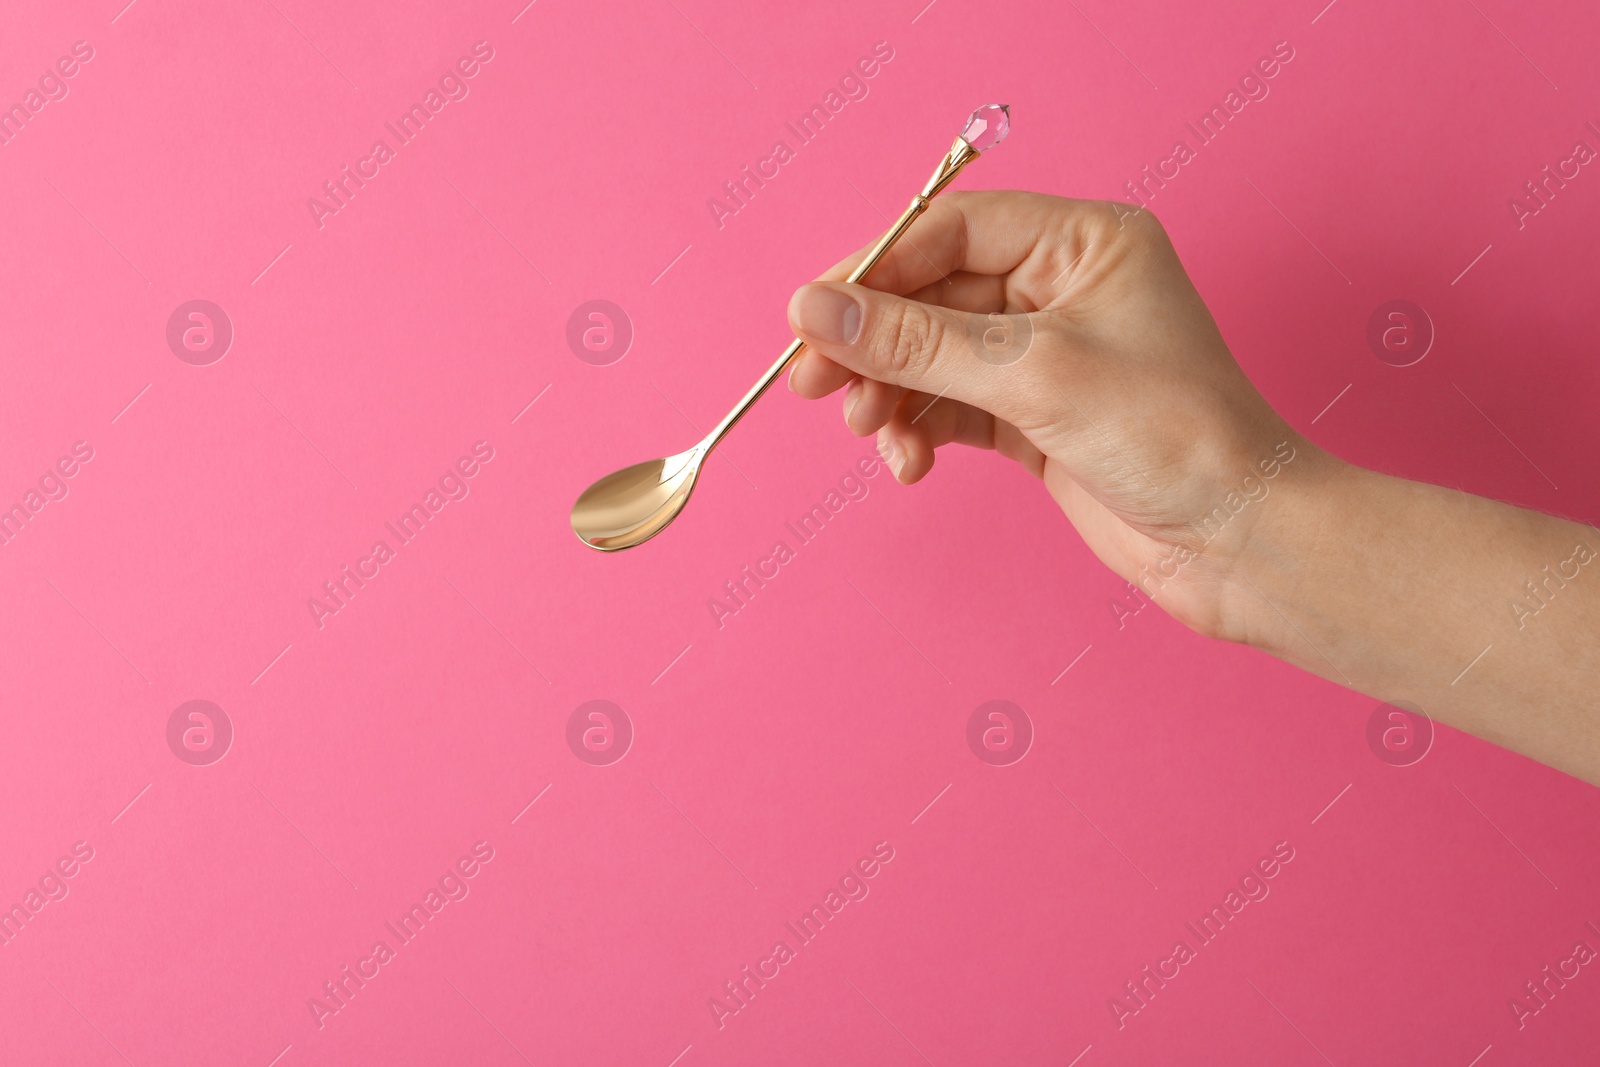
(1148, 229)
(1152, 231)
(906, 340)
(1125, 221)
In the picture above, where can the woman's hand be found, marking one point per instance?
(1066, 335)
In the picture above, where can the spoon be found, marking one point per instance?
(632, 505)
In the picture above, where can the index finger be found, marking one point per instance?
(1028, 239)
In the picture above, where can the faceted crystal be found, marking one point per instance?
(987, 126)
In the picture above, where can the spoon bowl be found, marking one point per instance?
(632, 505)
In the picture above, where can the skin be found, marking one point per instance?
(1128, 406)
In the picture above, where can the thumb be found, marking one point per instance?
(904, 342)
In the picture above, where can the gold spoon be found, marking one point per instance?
(632, 505)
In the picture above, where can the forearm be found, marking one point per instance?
(1484, 615)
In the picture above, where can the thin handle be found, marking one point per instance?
(960, 154)
(918, 206)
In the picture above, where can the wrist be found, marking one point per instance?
(1271, 566)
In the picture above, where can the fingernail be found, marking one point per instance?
(825, 315)
(852, 397)
(791, 381)
(891, 453)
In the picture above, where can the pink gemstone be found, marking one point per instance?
(987, 126)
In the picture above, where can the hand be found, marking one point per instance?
(1109, 380)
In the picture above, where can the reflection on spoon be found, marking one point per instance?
(636, 503)
(632, 505)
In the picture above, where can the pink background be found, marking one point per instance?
(831, 712)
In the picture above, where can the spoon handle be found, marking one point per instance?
(960, 154)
